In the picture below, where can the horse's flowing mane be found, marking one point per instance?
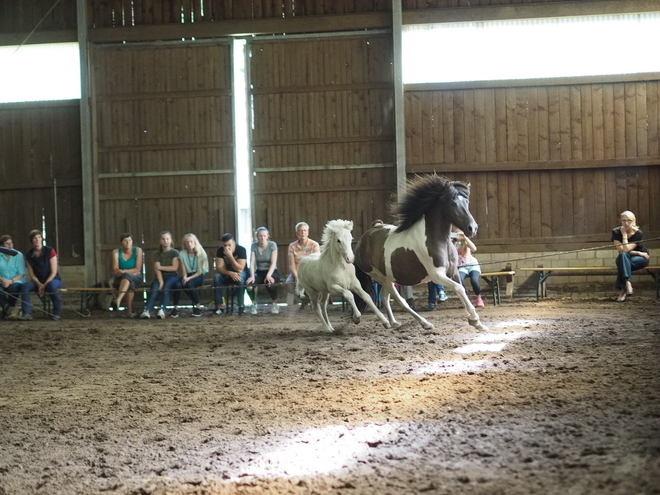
(422, 194)
(332, 228)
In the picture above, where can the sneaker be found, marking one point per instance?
(197, 311)
(26, 317)
(56, 317)
(442, 296)
(479, 303)
(132, 315)
(145, 315)
(241, 311)
(430, 307)
(253, 309)
(174, 313)
(275, 310)
(160, 315)
(218, 311)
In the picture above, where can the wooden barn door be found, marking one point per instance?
(323, 133)
(164, 144)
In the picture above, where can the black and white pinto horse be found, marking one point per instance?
(419, 248)
(331, 272)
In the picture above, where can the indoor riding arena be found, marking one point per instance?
(216, 117)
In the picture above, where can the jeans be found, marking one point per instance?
(627, 263)
(434, 291)
(474, 280)
(220, 280)
(169, 283)
(10, 294)
(191, 288)
(259, 277)
(50, 290)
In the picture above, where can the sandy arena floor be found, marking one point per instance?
(559, 397)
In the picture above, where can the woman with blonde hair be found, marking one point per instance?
(194, 265)
(627, 240)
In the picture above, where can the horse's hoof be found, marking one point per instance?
(387, 324)
(478, 325)
(356, 320)
(427, 326)
(396, 324)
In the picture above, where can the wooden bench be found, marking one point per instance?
(493, 281)
(542, 275)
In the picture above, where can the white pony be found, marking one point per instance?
(331, 272)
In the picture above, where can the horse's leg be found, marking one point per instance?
(348, 296)
(367, 299)
(473, 316)
(314, 299)
(385, 290)
(402, 302)
(323, 302)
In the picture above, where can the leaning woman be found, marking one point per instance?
(166, 268)
(42, 276)
(127, 270)
(263, 269)
(627, 240)
(194, 265)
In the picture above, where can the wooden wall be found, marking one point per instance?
(39, 161)
(22, 16)
(323, 138)
(148, 12)
(164, 134)
(545, 161)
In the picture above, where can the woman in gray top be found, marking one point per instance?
(263, 268)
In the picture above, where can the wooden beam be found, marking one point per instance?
(242, 27)
(528, 11)
(544, 165)
(63, 36)
(546, 81)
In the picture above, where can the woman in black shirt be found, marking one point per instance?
(632, 254)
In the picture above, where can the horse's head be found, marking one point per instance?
(337, 239)
(442, 201)
(456, 206)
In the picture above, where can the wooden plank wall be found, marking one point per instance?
(323, 138)
(440, 4)
(149, 12)
(20, 16)
(164, 138)
(545, 161)
(40, 144)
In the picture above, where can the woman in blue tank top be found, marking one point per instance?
(127, 270)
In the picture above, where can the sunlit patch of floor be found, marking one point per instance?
(472, 348)
(317, 451)
(461, 366)
(517, 323)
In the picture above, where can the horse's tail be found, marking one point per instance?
(367, 285)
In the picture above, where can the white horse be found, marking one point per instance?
(331, 272)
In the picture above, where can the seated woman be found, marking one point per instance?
(166, 269)
(12, 276)
(468, 266)
(632, 254)
(263, 269)
(42, 276)
(194, 265)
(127, 270)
